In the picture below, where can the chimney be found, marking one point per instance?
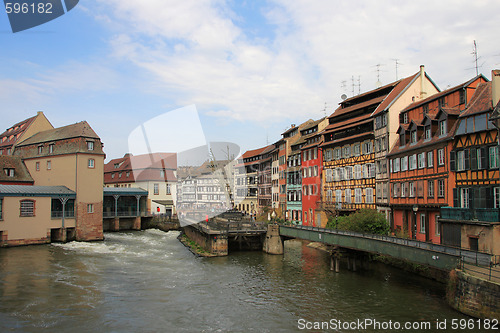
(495, 86)
(423, 93)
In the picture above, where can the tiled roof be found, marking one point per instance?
(51, 191)
(124, 191)
(312, 124)
(397, 149)
(442, 93)
(400, 86)
(14, 133)
(480, 101)
(81, 129)
(342, 111)
(348, 123)
(253, 152)
(21, 173)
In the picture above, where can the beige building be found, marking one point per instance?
(69, 156)
(34, 215)
(155, 173)
(386, 123)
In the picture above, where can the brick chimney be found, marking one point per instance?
(495, 86)
(423, 93)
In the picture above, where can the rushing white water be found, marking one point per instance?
(146, 281)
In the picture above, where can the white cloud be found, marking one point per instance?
(197, 53)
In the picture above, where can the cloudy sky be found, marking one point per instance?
(251, 68)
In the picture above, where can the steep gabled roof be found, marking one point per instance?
(81, 129)
(480, 101)
(21, 173)
(10, 136)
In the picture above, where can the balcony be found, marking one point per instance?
(59, 214)
(467, 214)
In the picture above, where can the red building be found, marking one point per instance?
(312, 166)
(420, 164)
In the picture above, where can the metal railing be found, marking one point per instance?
(59, 214)
(490, 272)
(234, 226)
(466, 214)
(468, 256)
(123, 214)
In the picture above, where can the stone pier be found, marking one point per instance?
(273, 244)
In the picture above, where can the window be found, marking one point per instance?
(402, 139)
(51, 148)
(496, 197)
(358, 195)
(437, 225)
(329, 175)
(338, 196)
(347, 151)
(442, 102)
(90, 208)
(441, 188)
(112, 176)
(404, 163)
(357, 149)
(462, 96)
(430, 159)
(37, 166)
(91, 163)
(27, 208)
(395, 188)
(337, 153)
(403, 190)
(427, 131)
(442, 128)
(358, 171)
(156, 189)
(464, 198)
(369, 195)
(9, 151)
(370, 170)
(430, 188)
(460, 160)
(396, 165)
(421, 160)
(441, 156)
(348, 196)
(367, 147)
(493, 157)
(422, 223)
(348, 173)
(413, 162)
(412, 190)
(328, 155)
(405, 118)
(413, 137)
(9, 172)
(49, 165)
(40, 149)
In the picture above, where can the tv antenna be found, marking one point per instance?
(379, 83)
(397, 64)
(476, 58)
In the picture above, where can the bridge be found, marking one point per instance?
(434, 255)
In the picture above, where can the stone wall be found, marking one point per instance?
(215, 244)
(89, 225)
(473, 296)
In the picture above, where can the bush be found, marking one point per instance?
(364, 220)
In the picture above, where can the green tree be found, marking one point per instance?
(364, 220)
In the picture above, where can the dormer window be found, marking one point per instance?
(40, 149)
(405, 118)
(402, 139)
(51, 148)
(413, 137)
(427, 131)
(90, 145)
(442, 128)
(9, 172)
(442, 102)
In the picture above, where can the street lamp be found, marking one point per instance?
(415, 210)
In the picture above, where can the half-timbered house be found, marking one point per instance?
(420, 164)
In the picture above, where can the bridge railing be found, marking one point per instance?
(235, 226)
(467, 256)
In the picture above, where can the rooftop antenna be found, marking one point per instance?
(379, 83)
(324, 110)
(352, 79)
(359, 84)
(474, 53)
(397, 64)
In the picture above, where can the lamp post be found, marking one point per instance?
(414, 233)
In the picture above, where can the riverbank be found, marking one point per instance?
(193, 247)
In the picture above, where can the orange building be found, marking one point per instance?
(420, 161)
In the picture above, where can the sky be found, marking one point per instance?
(249, 68)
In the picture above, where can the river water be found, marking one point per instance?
(147, 281)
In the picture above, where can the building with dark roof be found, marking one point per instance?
(155, 173)
(13, 171)
(473, 220)
(21, 131)
(420, 161)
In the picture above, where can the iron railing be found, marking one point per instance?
(59, 214)
(468, 256)
(467, 214)
(490, 272)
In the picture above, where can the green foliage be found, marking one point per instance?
(364, 220)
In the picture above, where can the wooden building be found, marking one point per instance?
(420, 164)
